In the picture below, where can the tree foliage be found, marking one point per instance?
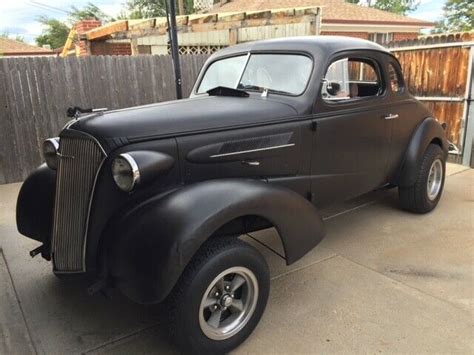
(138, 9)
(55, 32)
(401, 7)
(88, 12)
(17, 38)
(458, 16)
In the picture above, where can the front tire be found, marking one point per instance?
(220, 297)
(423, 196)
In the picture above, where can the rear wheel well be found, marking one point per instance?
(437, 141)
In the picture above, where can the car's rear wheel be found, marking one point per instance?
(423, 196)
(220, 297)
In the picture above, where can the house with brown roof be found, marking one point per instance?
(236, 21)
(342, 18)
(11, 48)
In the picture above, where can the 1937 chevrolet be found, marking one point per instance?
(151, 199)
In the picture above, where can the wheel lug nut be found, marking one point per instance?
(215, 306)
(217, 294)
(227, 288)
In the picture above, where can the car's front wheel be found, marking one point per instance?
(424, 194)
(220, 297)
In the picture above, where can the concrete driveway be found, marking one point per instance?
(383, 281)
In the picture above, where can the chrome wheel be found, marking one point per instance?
(435, 179)
(228, 303)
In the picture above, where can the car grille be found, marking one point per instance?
(79, 162)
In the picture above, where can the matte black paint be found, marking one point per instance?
(35, 204)
(429, 131)
(156, 240)
(328, 152)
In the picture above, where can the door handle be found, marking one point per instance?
(250, 162)
(390, 116)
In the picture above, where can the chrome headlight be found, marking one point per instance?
(50, 152)
(139, 167)
(125, 172)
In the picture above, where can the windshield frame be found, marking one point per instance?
(249, 54)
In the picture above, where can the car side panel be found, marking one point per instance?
(279, 151)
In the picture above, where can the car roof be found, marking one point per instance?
(311, 44)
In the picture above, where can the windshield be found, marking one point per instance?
(279, 73)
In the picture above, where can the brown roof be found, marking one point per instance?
(334, 11)
(11, 47)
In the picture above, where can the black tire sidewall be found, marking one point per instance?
(415, 198)
(196, 281)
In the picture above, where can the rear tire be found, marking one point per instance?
(219, 298)
(423, 196)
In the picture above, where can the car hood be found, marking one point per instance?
(187, 116)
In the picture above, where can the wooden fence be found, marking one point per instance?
(35, 93)
(439, 77)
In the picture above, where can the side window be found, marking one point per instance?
(396, 83)
(351, 78)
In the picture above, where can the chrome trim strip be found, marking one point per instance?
(252, 150)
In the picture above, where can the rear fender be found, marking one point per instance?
(430, 130)
(152, 244)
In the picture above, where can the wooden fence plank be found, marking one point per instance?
(35, 93)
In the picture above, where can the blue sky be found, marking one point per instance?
(18, 17)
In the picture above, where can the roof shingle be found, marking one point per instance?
(11, 47)
(334, 11)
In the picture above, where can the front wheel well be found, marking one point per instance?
(243, 225)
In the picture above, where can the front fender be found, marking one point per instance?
(430, 130)
(35, 204)
(153, 243)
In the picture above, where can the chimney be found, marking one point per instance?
(82, 27)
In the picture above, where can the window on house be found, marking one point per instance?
(381, 38)
(396, 82)
(351, 78)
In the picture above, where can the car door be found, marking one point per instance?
(352, 138)
(274, 152)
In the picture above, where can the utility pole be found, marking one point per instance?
(171, 14)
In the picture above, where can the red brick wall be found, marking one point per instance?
(86, 25)
(103, 48)
(400, 36)
(81, 28)
(362, 35)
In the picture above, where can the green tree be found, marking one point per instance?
(17, 38)
(401, 7)
(458, 16)
(54, 34)
(138, 9)
(88, 12)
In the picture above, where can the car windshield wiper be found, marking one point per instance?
(226, 91)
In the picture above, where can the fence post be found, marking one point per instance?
(467, 158)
